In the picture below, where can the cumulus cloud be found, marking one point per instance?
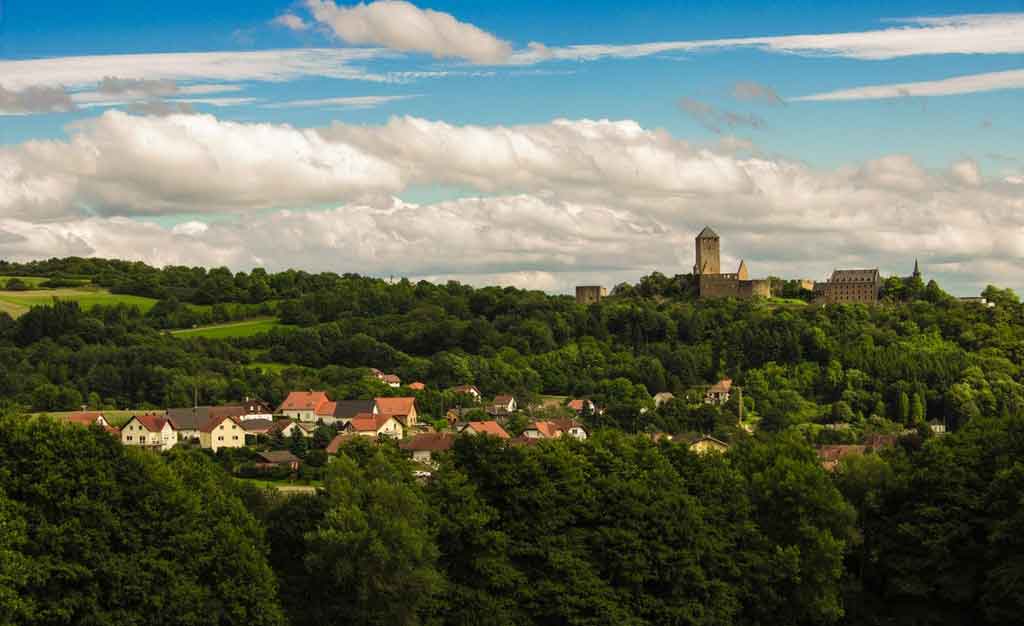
(956, 34)
(749, 90)
(715, 119)
(35, 100)
(402, 26)
(971, 83)
(290, 21)
(592, 200)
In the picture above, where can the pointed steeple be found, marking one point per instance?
(917, 270)
(707, 233)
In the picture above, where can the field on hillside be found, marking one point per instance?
(116, 418)
(31, 281)
(19, 302)
(245, 328)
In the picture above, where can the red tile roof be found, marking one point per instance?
(722, 386)
(367, 423)
(395, 406)
(417, 386)
(489, 427)
(152, 423)
(339, 440)
(548, 430)
(85, 418)
(503, 400)
(327, 409)
(304, 401)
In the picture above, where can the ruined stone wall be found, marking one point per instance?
(719, 286)
(755, 289)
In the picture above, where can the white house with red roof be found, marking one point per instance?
(489, 427)
(222, 432)
(307, 406)
(87, 418)
(149, 431)
(370, 425)
(720, 392)
(553, 429)
(402, 409)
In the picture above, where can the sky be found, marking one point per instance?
(535, 144)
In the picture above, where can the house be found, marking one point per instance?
(719, 392)
(502, 405)
(831, 455)
(256, 427)
(542, 430)
(490, 427)
(188, 422)
(307, 406)
(572, 428)
(345, 410)
(222, 432)
(402, 409)
(663, 397)
(286, 427)
(254, 409)
(424, 445)
(937, 427)
(149, 431)
(468, 390)
(87, 418)
(582, 405)
(375, 426)
(391, 380)
(278, 458)
(339, 440)
(706, 443)
(417, 386)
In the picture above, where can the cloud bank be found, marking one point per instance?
(554, 203)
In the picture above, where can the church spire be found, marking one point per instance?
(917, 270)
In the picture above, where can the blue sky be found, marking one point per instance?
(823, 163)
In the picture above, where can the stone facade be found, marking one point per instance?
(590, 294)
(850, 287)
(713, 283)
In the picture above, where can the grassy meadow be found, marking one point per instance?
(245, 328)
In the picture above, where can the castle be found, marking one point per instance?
(713, 283)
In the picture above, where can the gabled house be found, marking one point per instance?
(286, 427)
(490, 427)
(278, 458)
(502, 405)
(719, 393)
(468, 390)
(87, 418)
(307, 406)
(345, 410)
(663, 397)
(425, 445)
(149, 431)
(375, 426)
(222, 432)
(580, 405)
(402, 409)
(256, 427)
(553, 429)
(391, 380)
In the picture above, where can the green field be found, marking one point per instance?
(116, 417)
(19, 302)
(31, 281)
(246, 328)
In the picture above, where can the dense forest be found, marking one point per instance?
(618, 529)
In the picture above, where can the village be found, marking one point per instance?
(308, 417)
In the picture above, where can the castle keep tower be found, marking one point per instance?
(707, 253)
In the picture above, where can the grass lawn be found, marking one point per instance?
(116, 418)
(285, 485)
(31, 281)
(18, 302)
(245, 328)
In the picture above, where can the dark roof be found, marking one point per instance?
(257, 424)
(855, 276)
(433, 442)
(347, 409)
(707, 233)
(278, 456)
(217, 421)
(194, 418)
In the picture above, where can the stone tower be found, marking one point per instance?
(707, 253)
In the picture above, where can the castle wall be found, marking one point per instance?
(719, 286)
(589, 294)
(755, 289)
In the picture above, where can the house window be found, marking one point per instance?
(235, 437)
(129, 437)
(221, 438)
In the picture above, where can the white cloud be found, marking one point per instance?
(35, 100)
(402, 26)
(563, 201)
(233, 66)
(958, 34)
(751, 90)
(290, 21)
(346, 102)
(972, 83)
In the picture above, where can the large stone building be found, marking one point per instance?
(713, 283)
(849, 287)
(590, 294)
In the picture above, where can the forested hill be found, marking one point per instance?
(922, 357)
